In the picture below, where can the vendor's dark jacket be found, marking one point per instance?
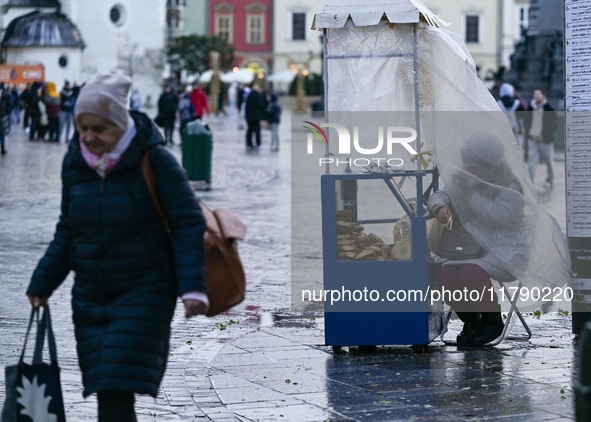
(126, 278)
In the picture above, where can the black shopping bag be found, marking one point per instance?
(33, 392)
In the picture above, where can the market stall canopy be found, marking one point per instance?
(205, 77)
(369, 13)
(242, 76)
(286, 76)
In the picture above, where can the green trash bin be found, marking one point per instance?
(197, 149)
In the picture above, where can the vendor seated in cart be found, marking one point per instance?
(485, 196)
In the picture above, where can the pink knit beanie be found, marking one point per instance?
(105, 95)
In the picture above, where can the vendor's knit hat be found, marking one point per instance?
(105, 95)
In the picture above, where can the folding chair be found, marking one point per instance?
(513, 310)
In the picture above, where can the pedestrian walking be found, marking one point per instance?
(127, 277)
(513, 109)
(52, 102)
(232, 97)
(15, 114)
(4, 116)
(242, 105)
(274, 114)
(221, 101)
(24, 102)
(486, 190)
(199, 100)
(254, 110)
(5, 98)
(34, 106)
(240, 97)
(540, 125)
(66, 111)
(186, 110)
(167, 106)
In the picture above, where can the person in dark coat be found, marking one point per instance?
(254, 111)
(24, 100)
(128, 270)
(274, 114)
(167, 106)
(4, 116)
(33, 109)
(186, 111)
(67, 101)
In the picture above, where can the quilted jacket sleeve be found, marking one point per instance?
(54, 267)
(182, 210)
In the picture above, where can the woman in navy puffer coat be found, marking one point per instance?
(128, 275)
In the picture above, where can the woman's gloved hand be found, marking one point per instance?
(194, 307)
(443, 214)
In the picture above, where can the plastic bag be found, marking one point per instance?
(402, 233)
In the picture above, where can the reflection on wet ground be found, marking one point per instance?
(262, 361)
(283, 370)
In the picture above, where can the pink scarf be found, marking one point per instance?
(105, 163)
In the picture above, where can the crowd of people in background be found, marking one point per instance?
(47, 115)
(534, 125)
(191, 102)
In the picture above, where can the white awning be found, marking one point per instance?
(370, 13)
(286, 76)
(205, 77)
(242, 76)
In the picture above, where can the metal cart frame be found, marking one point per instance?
(390, 323)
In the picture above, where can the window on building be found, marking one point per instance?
(63, 61)
(298, 26)
(117, 15)
(173, 18)
(523, 18)
(223, 26)
(472, 28)
(255, 29)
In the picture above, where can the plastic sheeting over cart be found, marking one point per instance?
(370, 65)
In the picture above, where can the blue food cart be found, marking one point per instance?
(374, 225)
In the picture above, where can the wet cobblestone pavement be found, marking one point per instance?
(263, 361)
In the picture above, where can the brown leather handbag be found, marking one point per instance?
(226, 282)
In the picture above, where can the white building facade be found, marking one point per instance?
(479, 23)
(118, 34)
(490, 29)
(295, 45)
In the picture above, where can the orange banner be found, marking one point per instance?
(21, 75)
